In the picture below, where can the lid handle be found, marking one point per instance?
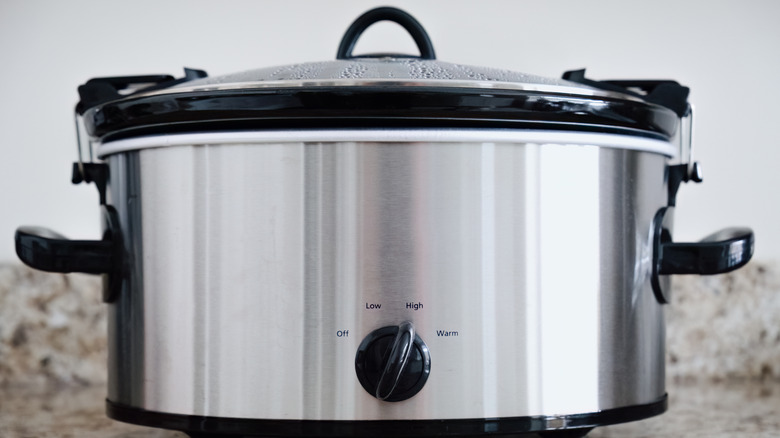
(385, 13)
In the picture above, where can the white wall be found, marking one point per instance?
(727, 52)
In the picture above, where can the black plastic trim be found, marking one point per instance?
(676, 175)
(196, 425)
(662, 224)
(664, 92)
(92, 173)
(97, 91)
(373, 107)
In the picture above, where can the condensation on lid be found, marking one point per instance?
(388, 71)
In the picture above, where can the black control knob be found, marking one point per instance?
(393, 363)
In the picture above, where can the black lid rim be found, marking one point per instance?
(337, 124)
(368, 107)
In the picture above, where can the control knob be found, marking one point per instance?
(393, 363)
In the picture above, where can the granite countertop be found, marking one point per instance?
(696, 409)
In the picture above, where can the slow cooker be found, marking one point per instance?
(385, 245)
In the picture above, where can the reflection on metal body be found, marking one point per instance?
(257, 269)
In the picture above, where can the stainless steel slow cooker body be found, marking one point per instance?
(385, 246)
(261, 262)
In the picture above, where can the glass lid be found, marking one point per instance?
(382, 90)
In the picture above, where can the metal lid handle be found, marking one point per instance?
(396, 15)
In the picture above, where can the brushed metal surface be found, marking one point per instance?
(257, 269)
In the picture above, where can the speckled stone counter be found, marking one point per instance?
(52, 328)
(713, 410)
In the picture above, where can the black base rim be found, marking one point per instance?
(542, 425)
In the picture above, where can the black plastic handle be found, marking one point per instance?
(720, 252)
(396, 15)
(46, 250)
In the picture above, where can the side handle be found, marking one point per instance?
(46, 250)
(723, 251)
(720, 252)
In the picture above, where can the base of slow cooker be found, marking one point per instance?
(542, 426)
